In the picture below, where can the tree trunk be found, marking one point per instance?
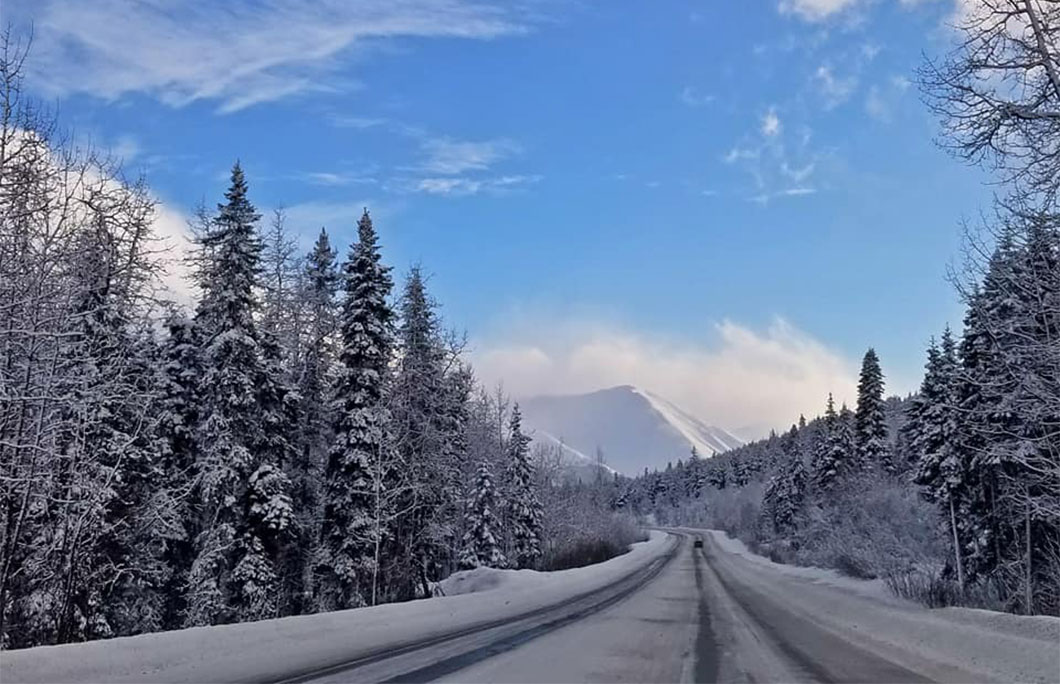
(956, 545)
(1043, 46)
(1029, 581)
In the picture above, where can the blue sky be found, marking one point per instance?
(652, 192)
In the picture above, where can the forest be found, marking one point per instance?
(308, 438)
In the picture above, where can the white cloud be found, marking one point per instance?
(780, 163)
(357, 122)
(738, 153)
(448, 163)
(447, 156)
(815, 10)
(171, 228)
(328, 178)
(745, 377)
(834, 89)
(692, 97)
(460, 186)
(238, 53)
(771, 123)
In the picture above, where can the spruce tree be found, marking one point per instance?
(354, 519)
(785, 496)
(244, 505)
(422, 437)
(933, 426)
(870, 423)
(524, 508)
(480, 541)
(178, 415)
(830, 458)
(311, 437)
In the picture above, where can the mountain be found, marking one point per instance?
(634, 428)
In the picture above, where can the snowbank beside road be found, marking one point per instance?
(947, 644)
(283, 648)
(489, 579)
(871, 588)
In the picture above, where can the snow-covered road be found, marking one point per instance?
(719, 613)
(668, 611)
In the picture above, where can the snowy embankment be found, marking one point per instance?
(274, 649)
(953, 644)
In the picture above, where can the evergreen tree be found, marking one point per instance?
(870, 422)
(178, 415)
(312, 434)
(832, 458)
(933, 429)
(354, 517)
(1009, 405)
(480, 541)
(457, 427)
(244, 506)
(524, 514)
(423, 441)
(785, 497)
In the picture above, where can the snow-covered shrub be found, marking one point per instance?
(603, 539)
(937, 590)
(872, 527)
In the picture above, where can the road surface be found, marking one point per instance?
(706, 614)
(671, 610)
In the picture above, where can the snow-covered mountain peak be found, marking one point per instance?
(633, 427)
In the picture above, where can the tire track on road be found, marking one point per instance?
(535, 623)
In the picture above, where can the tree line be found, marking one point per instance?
(305, 439)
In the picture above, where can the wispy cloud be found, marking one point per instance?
(461, 186)
(237, 53)
(332, 179)
(357, 122)
(447, 166)
(834, 90)
(450, 157)
(770, 123)
(691, 96)
(780, 163)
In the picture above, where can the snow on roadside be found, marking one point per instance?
(955, 644)
(489, 579)
(274, 649)
(876, 588)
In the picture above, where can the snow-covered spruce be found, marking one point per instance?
(524, 508)
(244, 507)
(481, 547)
(357, 501)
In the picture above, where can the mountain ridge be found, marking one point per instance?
(633, 427)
